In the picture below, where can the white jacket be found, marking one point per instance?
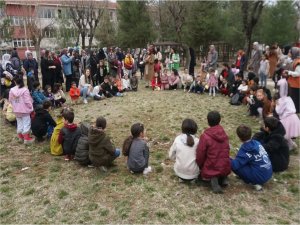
(185, 157)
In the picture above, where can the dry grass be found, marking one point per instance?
(53, 191)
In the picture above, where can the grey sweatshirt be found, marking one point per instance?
(138, 155)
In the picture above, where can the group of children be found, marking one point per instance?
(208, 158)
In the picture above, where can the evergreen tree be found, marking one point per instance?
(135, 26)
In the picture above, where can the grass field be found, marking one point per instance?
(54, 191)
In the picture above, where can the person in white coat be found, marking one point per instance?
(183, 151)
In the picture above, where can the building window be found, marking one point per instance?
(46, 13)
(111, 16)
(50, 33)
(21, 42)
(17, 21)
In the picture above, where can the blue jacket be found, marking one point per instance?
(252, 163)
(67, 65)
(38, 98)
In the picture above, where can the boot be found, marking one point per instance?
(223, 181)
(20, 137)
(215, 185)
(28, 139)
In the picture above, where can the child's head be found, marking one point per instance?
(244, 82)
(73, 84)
(256, 80)
(271, 123)
(56, 87)
(232, 65)
(260, 94)
(253, 90)
(68, 116)
(244, 133)
(156, 74)
(126, 76)
(213, 118)
(211, 70)
(264, 56)
(106, 79)
(48, 89)
(36, 85)
(47, 105)
(175, 72)
(155, 61)
(87, 72)
(250, 68)
(19, 81)
(101, 122)
(225, 66)
(137, 130)
(186, 71)
(189, 127)
(101, 62)
(166, 71)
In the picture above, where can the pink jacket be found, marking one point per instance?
(174, 79)
(212, 80)
(21, 100)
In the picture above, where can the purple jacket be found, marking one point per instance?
(21, 100)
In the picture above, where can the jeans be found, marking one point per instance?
(68, 82)
(23, 124)
(84, 93)
(263, 79)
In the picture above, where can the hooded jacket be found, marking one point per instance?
(55, 147)
(68, 137)
(213, 153)
(82, 149)
(41, 121)
(21, 100)
(276, 147)
(101, 150)
(252, 163)
(185, 165)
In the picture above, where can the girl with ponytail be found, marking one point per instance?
(183, 151)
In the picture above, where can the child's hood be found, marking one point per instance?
(96, 135)
(217, 133)
(17, 92)
(72, 127)
(84, 129)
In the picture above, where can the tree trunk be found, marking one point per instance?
(187, 55)
(90, 41)
(82, 40)
(248, 46)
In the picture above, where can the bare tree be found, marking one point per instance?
(251, 11)
(34, 27)
(86, 16)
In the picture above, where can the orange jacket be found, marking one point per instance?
(294, 82)
(74, 93)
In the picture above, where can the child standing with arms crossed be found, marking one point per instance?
(135, 147)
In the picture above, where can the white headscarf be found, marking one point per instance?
(5, 60)
(27, 52)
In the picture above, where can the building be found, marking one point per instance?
(48, 20)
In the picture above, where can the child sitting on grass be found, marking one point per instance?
(183, 151)
(164, 79)
(43, 124)
(74, 93)
(82, 149)
(102, 151)
(186, 80)
(69, 135)
(38, 96)
(213, 153)
(55, 147)
(135, 147)
(272, 139)
(48, 94)
(59, 95)
(252, 163)
(8, 109)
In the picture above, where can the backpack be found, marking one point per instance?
(235, 99)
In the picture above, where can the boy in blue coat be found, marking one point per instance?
(38, 97)
(252, 163)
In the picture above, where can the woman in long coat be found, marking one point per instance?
(149, 66)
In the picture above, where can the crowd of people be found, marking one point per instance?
(112, 72)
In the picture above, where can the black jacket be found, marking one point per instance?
(40, 122)
(82, 149)
(276, 147)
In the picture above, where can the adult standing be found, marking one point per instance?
(212, 57)
(255, 57)
(273, 60)
(84, 60)
(149, 66)
(294, 78)
(113, 62)
(58, 76)
(8, 73)
(240, 62)
(192, 62)
(128, 64)
(16, 61)
(31, 67)
(94, 60)
(49, 69)
(67, 67)
(174, 60)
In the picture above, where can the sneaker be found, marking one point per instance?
(85, 101)
(90, 166)
(257, 187)
(20, 138)
(223, 181)
(67, 158)
(214, 182)
(147, 170)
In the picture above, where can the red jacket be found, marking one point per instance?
(213, 153)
